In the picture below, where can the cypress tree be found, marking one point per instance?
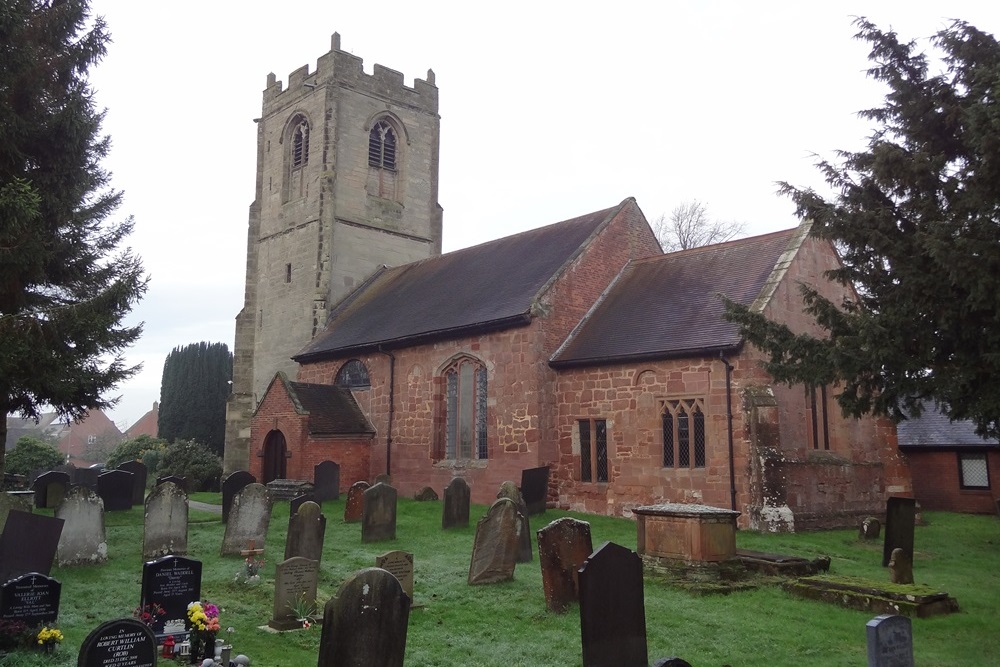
(193, 394)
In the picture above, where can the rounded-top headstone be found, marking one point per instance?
(241, 660)
(124, 642)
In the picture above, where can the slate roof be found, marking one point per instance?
(666, 306)
(933, 430)
(332, 410)
(486, 287)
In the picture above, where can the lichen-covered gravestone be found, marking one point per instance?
(249, 518)
(563, 546)
(366, 622)
(354, 508)
(455, 509)
(83, 539)
(494, 552)
(295, 581)
(378, 520)
(510, 490)
(165, 527)
(231, 485)
(306, 533)
(612, 612)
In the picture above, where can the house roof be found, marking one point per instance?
(934, 430)
(148, 424)
(486, 287)
(332, 410)
(667, 305)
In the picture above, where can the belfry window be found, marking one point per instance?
(300, 145)
(382, 146)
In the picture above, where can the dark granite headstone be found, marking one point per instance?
(612, 615)
(83, 539)
(249, 518)
(232, 485)
(28, 544)
(455, 509)
(295, 581)
(354, 508)
(890, 641)
(900, 519)
(173, 582)
(32, 598)
(378, 519)
(563, 546)
(115, 489)
(121, 643)
(139, 476)
(306, 531)
(176, 479)
(50, 488)
(165, 521)
(326, 481)
(535, 489)
(494, 552)
(366, 622)
(87, 477)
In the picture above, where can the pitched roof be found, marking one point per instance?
(667, 305)
(486, 287)
(932, 429)
(332, 410)
(148, 424)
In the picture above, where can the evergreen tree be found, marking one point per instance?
(193, 394)
(916, 218)
(65, 281)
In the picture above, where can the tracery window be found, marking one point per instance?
(353, 375)
(300, 144)
(382, 146)
(684, 433)
(465, 393)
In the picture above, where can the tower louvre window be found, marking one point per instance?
(300, 145)
(382, 146)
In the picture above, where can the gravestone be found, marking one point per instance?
(378, 519)
(455, 510)
(425, 494)
(326, 481)
(295, 582)
(115, 489)
(400, 565)
(306, 531)
(890, 641)
(900, 519)
(165, 522)
(28, 544)
(366, 622)
(140, 474)
(120, 643)
(383, 478)
(50, 488)
(83, 539)
(295, 503)
(494, 552)
(248, 519)
(509, 490)
(173, 582)
(900, 567)
(32, 598)
(232, 485)
(870, 529)
(8, 502)
(354, 508)
(87, 477)
(535, 489)
(612, 615)
(70, 470)
(563, 546)
(179, 480)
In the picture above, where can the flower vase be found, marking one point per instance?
(195, 656)
(209, 648)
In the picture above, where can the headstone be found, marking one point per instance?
(509, 490)
(563, 546)
(535, 489)
(50, 488)
(354, 508)
(70, 470)
(366, 622)
(295, 503)
(87, 477)
(900, 519)
(378, 520)
(248, 519)
(173, 582)
(900, 567)
(8, 502)
(870, 529)
(383, 478)
(890, 641)
(326, 481)
(455, 510)
(295, 581)
(83, 539)
(115, 489)
(400, 565)
(28, 544)
(139, 476)
(494, 552)
(425, 494)
(165, 522)
(32, 598)
(306, 531)
(612, 615)
(179, 480)
(232, 485)
(121, 643)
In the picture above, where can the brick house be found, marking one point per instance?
(581, 346)
(76, 440)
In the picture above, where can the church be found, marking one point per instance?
(578, 345)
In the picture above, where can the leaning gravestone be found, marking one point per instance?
(612, 615)
(295, 581)
(121, 643)
(378, 520)
(115, 489)
(28, 544)
(400, 565)
(83, 539)
(365, 623)
(173, 582)
(326, 481)
(139, 476)
(455, 510)
(232, 485)
(563, 546)
(165, 522)
(306, 532)
(900, 519)
(354, 508)
(10, 502)
(50, 488)
(890, 641)
(32, 598)
(248, 519)
(510, 490)
(494, 552)
(535, 489)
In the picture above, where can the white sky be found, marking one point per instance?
(548, 110)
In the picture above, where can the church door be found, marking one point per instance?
(274, 456)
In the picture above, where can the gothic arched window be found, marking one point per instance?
(300, 144)
(382, 146)
(353, 375)
(463, 411)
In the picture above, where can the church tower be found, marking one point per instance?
(347, 180)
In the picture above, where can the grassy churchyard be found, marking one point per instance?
(507, 624)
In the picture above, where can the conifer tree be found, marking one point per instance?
(193, 394)
(66, 282)
(916, 218)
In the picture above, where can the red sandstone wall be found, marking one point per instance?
(936, 483)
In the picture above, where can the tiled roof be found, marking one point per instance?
(332, 410)
(485, 287)
(935, 430)
(667, 306)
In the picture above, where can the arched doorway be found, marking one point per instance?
(275, 451)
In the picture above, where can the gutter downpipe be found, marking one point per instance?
(392, 410)
(729, 430)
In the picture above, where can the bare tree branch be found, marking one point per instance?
(689, 226)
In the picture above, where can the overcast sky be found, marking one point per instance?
(548, 110)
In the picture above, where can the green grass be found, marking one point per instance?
(508, 625)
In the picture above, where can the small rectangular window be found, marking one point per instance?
(288, 273)
(973, 473)
(593, 450)
(584, 425)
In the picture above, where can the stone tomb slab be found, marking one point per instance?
(172, 582)
(83, 539)
(494, 552)
(900, 519)
(455, 509)
(612, 612)
(50, 488)
(535, 489)
(400, 565)
(139, 476)
(120, 643)
(249, 518)
(295, 581)
(231, 485)
(563, 546)
(32, 598)
(688, 533)
(890, 641)
(165, 522)
(378, 519)
(354, 508)
(115, 489)
(326, 481)
(858, 593)
(365, 623)
(29, 544)
(306, 533)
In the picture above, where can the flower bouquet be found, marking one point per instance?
(48, 638)
(203, 625)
